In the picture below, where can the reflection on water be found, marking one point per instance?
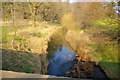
(62, 61)
(60, 56)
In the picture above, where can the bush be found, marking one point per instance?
(68, 21)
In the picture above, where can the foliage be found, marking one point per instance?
(68, 21)
(108, 23)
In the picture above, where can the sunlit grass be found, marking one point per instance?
(107, 53)
(27, 38)
(107, 56)
(4, 34)
(78, 30)
(108, 24)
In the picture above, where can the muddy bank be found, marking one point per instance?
(86, 70)
(87, 66)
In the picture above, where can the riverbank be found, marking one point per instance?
(87, 70)
(96, 47)
(19, 61)
(28, 38)
(34, 42)
(29, 52)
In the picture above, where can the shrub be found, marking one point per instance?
(68, 21)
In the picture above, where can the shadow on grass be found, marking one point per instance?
(24, 62)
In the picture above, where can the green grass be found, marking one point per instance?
(4, 34)
(107, 56)
(20, 61)
(108, 24)
(107, 53)
(57, 23)
(39, 34)
(111, 68)
(19, 38)
(25, 37)
(24, 62)
(77, 30)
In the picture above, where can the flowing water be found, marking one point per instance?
(62, 58)
(61, 62)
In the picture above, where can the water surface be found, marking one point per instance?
(62, 61)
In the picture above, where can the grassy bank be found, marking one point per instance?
(98, 43)
(28, 38)
(19, 61)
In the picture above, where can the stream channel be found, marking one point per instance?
(62, 58)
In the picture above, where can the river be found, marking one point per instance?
(62, 58)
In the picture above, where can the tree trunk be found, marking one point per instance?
(13, 23)
(33, 24)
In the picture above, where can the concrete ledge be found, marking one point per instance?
(13, 75)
